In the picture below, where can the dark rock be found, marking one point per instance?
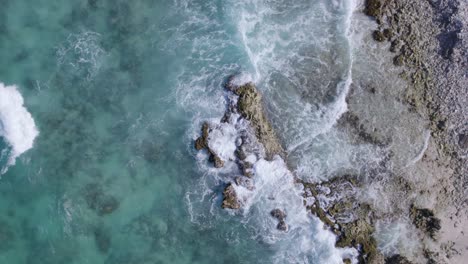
(425, 220)
(397, 259)
(372, 8)
(395, 45)
(218, 162)
(202, 141)
(246, 168)
(347, 261)
(463, 141)
(230, 198)
(278, 214)
(399, 60)
(102, 239)
(282, 226)
(378, 36)
(240, 154)
(388, 33)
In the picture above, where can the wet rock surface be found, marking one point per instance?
(250, 106)
(230, 200)
(351, 220)
(202, 143)
(281, 216)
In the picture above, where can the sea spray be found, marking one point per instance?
(17, 126)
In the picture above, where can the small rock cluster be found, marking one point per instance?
(281, 216)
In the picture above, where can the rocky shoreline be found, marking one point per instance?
(433, 61)
(349, 219)
(430, 44)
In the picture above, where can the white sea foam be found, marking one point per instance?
(397, 237)
(82, 52)
(17, 126)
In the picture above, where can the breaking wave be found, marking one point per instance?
(17, 126)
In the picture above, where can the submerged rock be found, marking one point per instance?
(230, 198)
(98, 201)
(7, 236)
(102, 239)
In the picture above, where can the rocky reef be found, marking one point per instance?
(349, 219)
(258, 138)
(250, 106)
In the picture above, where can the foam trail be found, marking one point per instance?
(302, 56)
(17, 126)
(427, 136)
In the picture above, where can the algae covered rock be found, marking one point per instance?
(373, 8)
(217, 161)
(202, 141)
(425, 220)
(250, 106)
(378, 36)
(230, 198)
(357, 233)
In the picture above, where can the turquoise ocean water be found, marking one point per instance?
(118, 90)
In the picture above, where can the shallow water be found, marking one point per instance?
(118, 92)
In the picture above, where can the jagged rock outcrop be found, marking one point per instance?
(230, 200)
(281, 216)
(250, 106)
(202, 143)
